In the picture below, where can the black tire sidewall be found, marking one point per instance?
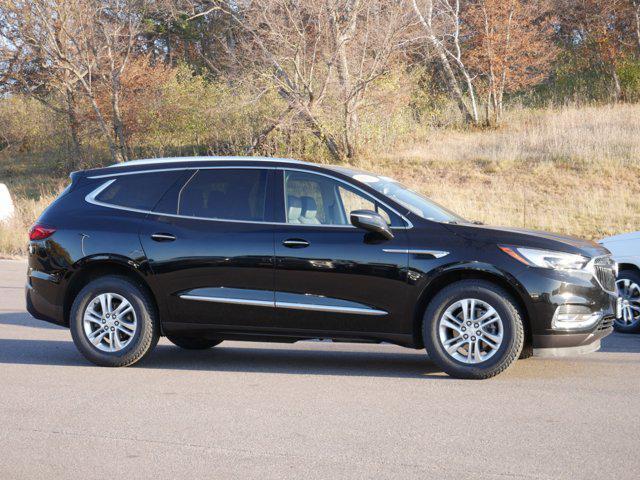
(513, 337)
(634, 277)
(146, 334)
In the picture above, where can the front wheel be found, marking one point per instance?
(473, 329)
(629, 290)
(113, 322)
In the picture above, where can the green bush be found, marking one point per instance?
(629, 73)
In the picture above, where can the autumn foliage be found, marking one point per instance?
(326, 77)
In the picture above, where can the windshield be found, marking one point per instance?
(413, 201)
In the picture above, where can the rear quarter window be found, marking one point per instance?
(139, 191)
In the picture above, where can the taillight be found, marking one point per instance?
(40, 232)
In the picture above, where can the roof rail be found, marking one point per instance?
(157, 161)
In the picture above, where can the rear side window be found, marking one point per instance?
(140, 191)
(225, 194)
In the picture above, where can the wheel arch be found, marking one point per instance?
(490, 274)
(628, 266)
(89, 269)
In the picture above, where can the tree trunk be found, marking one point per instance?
(321, 134)
(340, 38)
(118, 124)
(262, 136)
(74, 126)
(636, 6)
(617, 88)
(452, 82)
(115, 154)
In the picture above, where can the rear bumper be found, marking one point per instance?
(38, 307)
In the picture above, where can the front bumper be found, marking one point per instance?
(549, 290)
(560, 345)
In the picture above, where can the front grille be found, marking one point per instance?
(605, 323)
(604, 269)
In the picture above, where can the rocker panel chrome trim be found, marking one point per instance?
(289, 305)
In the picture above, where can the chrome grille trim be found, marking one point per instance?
(603, 269)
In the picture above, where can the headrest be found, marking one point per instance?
(294, 209)
(309, 210)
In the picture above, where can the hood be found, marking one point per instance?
(528, 238)
(623, 237)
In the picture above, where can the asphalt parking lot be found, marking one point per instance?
(307, 410)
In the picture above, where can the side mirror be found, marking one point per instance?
(372, 222)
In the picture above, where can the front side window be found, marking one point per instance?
(318, 200)
(138, 191)
(226, 194)
(412, 201)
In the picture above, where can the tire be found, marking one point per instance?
(479, 296)
(629, 289)
(136, 344)
(527, 351)
(193, 343)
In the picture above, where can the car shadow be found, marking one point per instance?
(297, 361)
(223, 358)
(621, 343)
(23, 319)
(228, 357)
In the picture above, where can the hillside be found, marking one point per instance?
(571, 170)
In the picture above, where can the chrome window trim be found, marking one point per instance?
(434, 253)
(91, 197)
(288, 305)
(182, 169)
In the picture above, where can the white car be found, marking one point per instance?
(626, 252)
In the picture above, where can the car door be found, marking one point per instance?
(210, 245)
(330, 276)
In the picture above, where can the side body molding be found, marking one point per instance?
(261, 298)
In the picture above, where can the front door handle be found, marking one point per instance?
(295, 243)
(163, 237)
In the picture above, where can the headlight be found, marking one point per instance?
(534, 257)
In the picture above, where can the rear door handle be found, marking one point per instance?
(295, 243)
(163, 237)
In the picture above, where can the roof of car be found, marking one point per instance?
(173, 163)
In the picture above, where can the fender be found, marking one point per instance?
(85, 267)
(429, 283)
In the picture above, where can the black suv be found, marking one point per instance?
(202, 250)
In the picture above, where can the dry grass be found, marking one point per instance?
(13, 234)
(573, 170)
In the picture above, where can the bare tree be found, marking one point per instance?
(509, 47)
(321, 57)
(29, 70)
(441, 21)
(84, 47)
(636, 15)
(599, 31)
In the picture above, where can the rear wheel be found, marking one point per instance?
(628, 284)
(472, 329)
(192, 343)
(113, 322)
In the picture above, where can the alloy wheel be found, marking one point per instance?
(110, 322)
(629, 291)
(471, 331)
